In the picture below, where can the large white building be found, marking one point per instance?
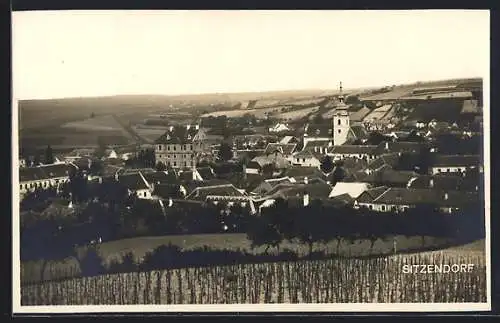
(341, 122)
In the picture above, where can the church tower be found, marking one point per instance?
(341, 122)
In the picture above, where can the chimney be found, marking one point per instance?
(306, 180)
(188, 126)
(197, 127)
(386, 145)
(306, 199)
(445, 196)
(431, 183)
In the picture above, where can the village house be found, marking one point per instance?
(389, 177)
(401, 199)
(289, 140)
(455, 164)
(307, 158)
(319, 146)
(279, 127)
(267, 185)
(43, 177)
(136, 184)
(285, 150)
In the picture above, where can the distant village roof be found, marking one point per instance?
(44, 172)
(299, 171)
(353, 149)
(307, 154)
(446, 182)
(134, 181)
(167, 190)
(201, 193)
(277, 160)
(207, 173)
(390, 177)
(457, 160)
(411, 196)
(353, 189)
(161, 177)
(287, 140)
(285, 149)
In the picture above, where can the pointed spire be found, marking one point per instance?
(341, 95)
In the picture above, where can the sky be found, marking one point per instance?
(99, 53)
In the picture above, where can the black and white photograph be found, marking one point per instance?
(247, 160)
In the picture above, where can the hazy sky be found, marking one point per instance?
(77, 53)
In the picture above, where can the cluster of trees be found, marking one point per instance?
(145, 158)
(317, 223)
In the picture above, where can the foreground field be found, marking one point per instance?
(114, 250)
(340, 280)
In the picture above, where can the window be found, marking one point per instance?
(303, 160)
(297, 160)
(168, 147)
(175, 148)
(185, 164)
(383, 207)
(21, 186)
(144, 194)
(175, 164)
(175, 156)
(338, 122)
(339, 131)
(191, 147)
(447, 170)
(159, 147)
(370, 207)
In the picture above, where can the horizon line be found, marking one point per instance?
(264, 91)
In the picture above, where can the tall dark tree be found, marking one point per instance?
(160, 167)
(225, 151)
(327, 164)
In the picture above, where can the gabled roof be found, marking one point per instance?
(192, 185)
(391, 160)
(360, 114)
(390, 177)
(161, 178)
(315, 191)
(410, 196)
(317, 143)
(44, 172)
(446, 182)
(457, 160)
(307, 154)
(134, 181)
(278, 161)
(201, 193)
(353, 189)
(206, 173)
(285, 149)
(167, 190)
(297, 171)
(399, 147)
(288, 140)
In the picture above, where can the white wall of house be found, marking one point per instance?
(384, 207)
(366, 157)
(144, 194)
(449, 169)
(306, 162)
(252, 170)
(29, 186)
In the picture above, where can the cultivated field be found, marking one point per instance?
(104, 123)
(296, 112)
(149, 133)
(337, 280)
(114, 250)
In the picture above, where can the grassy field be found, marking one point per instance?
(100, 123)
(337, 280)
(114, 250)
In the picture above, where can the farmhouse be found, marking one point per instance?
(43, 177)
(319, 146)
(455, 163)
(390, 177)
(401, 199)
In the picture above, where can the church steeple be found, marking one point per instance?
(341, 96)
